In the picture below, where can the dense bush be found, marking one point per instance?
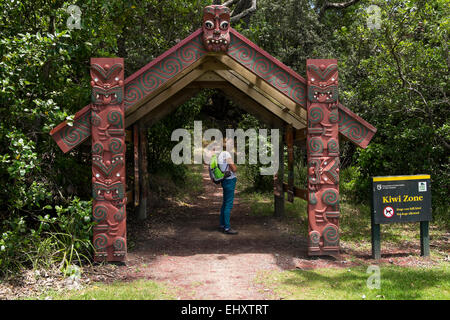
(44, 79)
(43, 240)
(395, 77)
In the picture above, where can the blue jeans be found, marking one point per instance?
(228, 186)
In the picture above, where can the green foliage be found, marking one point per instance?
(46, 239)
(395, 77)
(348, 183)
(44, 79)
(159, 136)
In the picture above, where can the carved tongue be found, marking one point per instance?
(107, 99)
(322, 97)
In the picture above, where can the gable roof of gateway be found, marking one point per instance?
(155, 74)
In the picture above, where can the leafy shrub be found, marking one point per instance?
(62, 236)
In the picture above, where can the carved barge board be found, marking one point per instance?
(145, 81)
(267, 67)
(355, 128)
(352, 126)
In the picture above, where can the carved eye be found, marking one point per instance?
(224, 25)
(209, 24)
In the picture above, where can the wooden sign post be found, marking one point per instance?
(400, 199)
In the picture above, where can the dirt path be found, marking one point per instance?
(180, 245)
(184, 247)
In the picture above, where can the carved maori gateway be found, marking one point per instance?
(214, 56)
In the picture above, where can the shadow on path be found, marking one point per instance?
(182, 245)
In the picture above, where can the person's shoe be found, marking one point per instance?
(230, 231)
(221, 228)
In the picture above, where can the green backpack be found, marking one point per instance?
(217, 175)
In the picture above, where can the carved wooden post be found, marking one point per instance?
(323, 157)
(108, 159)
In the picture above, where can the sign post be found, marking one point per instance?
(400, 199)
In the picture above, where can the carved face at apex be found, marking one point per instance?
(216, 24)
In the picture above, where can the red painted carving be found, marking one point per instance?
(108, 159)
(216, 25)
(323, 157)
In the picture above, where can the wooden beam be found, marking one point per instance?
(132, 117)
(290, 149)
(300, 135)
(128, 136)
(169, 106)
(251, 106)
(260, 83)
(206, 84)
(299, 193)
(276, 109)
(210, 76)
(213, 64)
(166, 85)
(143, 165)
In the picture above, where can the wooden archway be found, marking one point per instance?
(214, 57)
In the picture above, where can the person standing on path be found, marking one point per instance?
(225, 162)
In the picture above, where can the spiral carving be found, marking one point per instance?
(100, 242)
(267, 69)
(120, 214)
(97, 149)
(315, 145)
(330, 234)
(351, 129)
(315, 115)
(119, 244)
(334, 116)
(333, 146)
(79, 131)
(166, 69)
(116, 146)
(100, 213)
(314, 238)
(330, 197)
(115, 118)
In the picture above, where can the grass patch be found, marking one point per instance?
(402, 283)
(185, 186)
(135, 290)
(354, 224)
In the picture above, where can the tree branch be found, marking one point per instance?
(244, 13)
(335, 5)
(229, 3)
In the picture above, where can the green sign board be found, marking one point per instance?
(401, 199)
(397, 199)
